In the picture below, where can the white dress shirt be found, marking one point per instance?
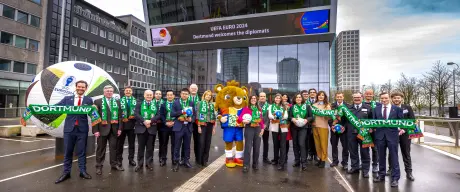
(75, 100)
(388, 110)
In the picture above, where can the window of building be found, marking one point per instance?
(31, 69)
(75, 22)
(110, 36)
(8, 12)
(108, 68)
(84, 25)
(101, 49)
(94, 29)
(83, 59)
(73, 58)
(20, 42)
(116, 70)
(74, 41)
(34, 21)
(22, 17)
(110, 52)
(125, 42)
(33, 45)
(83, 44)
(19, 67)
(93, 46)
(117, 39)
(36, 1)
(100, 65)
(117, 54)
(123, 71)
(124, 56)
(102, 33)
(5, 65)
(6, 38)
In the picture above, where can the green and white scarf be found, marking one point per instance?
(59, 109)
(185, 105)
(264, 109)
(299, 111)
(168, 111)
(255, 115)
(124, 106)
(148, 112)
(195, 100)
(206, 109)
(373, 104)
(113, 109)
(275, 108)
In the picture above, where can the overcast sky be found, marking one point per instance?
(396, 35)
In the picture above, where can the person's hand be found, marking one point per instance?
(189, 119)
(261, 133)
(246, 121)
(332, 129)
(371, 130)
(199, 129)
(401, 131)
(223, 119)
(294, 120)
(214, 130)
(146, 122)
(97, 134)
(306, 121)
(95, 106)
(119, 132)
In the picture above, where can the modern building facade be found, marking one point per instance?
(259, 43)
(347, 61)
(22, 30)
(333, 65)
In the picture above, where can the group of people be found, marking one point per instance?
(177, 121)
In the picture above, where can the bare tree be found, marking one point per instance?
(387, 87)
(441, 79)
(407, 86)
(421, 96)
(374, 87)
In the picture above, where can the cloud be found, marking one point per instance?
(393, 40)
(120, 7)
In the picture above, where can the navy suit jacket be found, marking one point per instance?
(140, 127)
(163, 116)
(395, 113)
(177, 112)
(71, 119)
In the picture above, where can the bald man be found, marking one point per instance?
(196, 136)
(369, 100)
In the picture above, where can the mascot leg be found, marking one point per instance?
(229, 162)
(239, 147)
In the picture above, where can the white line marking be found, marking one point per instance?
(343, 178)
(44, 139)
(26, 152)
(442, 152)
(24, 141)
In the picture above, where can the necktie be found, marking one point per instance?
(385, 112)
(129, 108)
(357, 107)
(79, 103)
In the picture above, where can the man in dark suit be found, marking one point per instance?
(311, 142)
(147, 116)
(361, 111)
(128, 104)
(75, 132)
(369, 100)
(263, 104)
(165, 130)
(387, 137)
(108, 130)
(404, 142)
(342, 137)
(182, 127)
(193, 97)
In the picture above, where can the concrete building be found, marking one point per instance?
(235, 64)
(347, 60)
(22, 30)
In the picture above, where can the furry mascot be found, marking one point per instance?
(230, 101)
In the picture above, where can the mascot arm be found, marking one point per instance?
(244, 111)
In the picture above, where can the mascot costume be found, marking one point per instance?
(230, 101)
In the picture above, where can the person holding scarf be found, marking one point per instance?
(300, 115)
(252, 133)
(278, 127)
(108, 130)
(128, 104)
(263, 104)
(206, 118)
(342, 137)
(147, 115)
(321, 129)
(194, 98)
(311, 145)
(158, 102)
(165, 131)
(369, 100)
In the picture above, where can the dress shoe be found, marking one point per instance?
(162, 163)
(318, 163)
(296, 164)
(322, 164)
(378, 179)
(149, 167)
(205, 164)
(138, 168)
(245, 169)
(255, 167)
(394, 183)
(62, 178)
(410, 176)
(118, 168)
(345, 167)
(310, 158)
(188, 165)
(181, 162)
(388, 172)
(132, 163)
(99, 171)
(174, 163)
(85, 175)
(175, 167)
(375, 169)
(365, 174)
(274, 162)
(304, 166)
(280, 167)
(353, 171)
(267, 161)
(333, 164)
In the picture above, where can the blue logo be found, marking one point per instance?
(82, 66)
(69, 81)
(314, 22)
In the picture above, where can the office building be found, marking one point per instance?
(251, 39)
(333, 65)
(22, 30)
(347, 60)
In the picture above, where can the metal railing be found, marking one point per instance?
(453, 124)
(11, 112)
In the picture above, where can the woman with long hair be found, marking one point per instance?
(206, 119)
(278, 116)
(252, 133)
(299, 115)
(321, 129)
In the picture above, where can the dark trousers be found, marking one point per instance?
(355, 144)
(196, 141)
(404, 145)
(299, 140)
(335, 151)
(205, 143)
(279, 147)
(164, 140)
(79, 138)
(375, 154)
(111, 138)
(265, 137)
(121, 142)
(182, 140)
(390, 141)
(251, 142)
(145, 146)
(311, 143)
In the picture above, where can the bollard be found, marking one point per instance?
(422, 129)
(59, 149)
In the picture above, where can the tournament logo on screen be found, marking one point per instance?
(160, 37)
(314, 22)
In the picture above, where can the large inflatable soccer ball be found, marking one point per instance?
(53, 83)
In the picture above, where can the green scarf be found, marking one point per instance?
(323, 112)
(255, 114)
(373, 104)
(148, 112)
(264, 109)
(113, 108)
(58, 109)
(206, 109)
(161, 101)
(275, 108)
(124, 106)
(168, 111)
(195, 101)
(299, 111)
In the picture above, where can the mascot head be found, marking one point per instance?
(231, 95)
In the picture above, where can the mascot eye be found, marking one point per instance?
(244, 97)
(227, 97)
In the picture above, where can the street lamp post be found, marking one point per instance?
(453, 76)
